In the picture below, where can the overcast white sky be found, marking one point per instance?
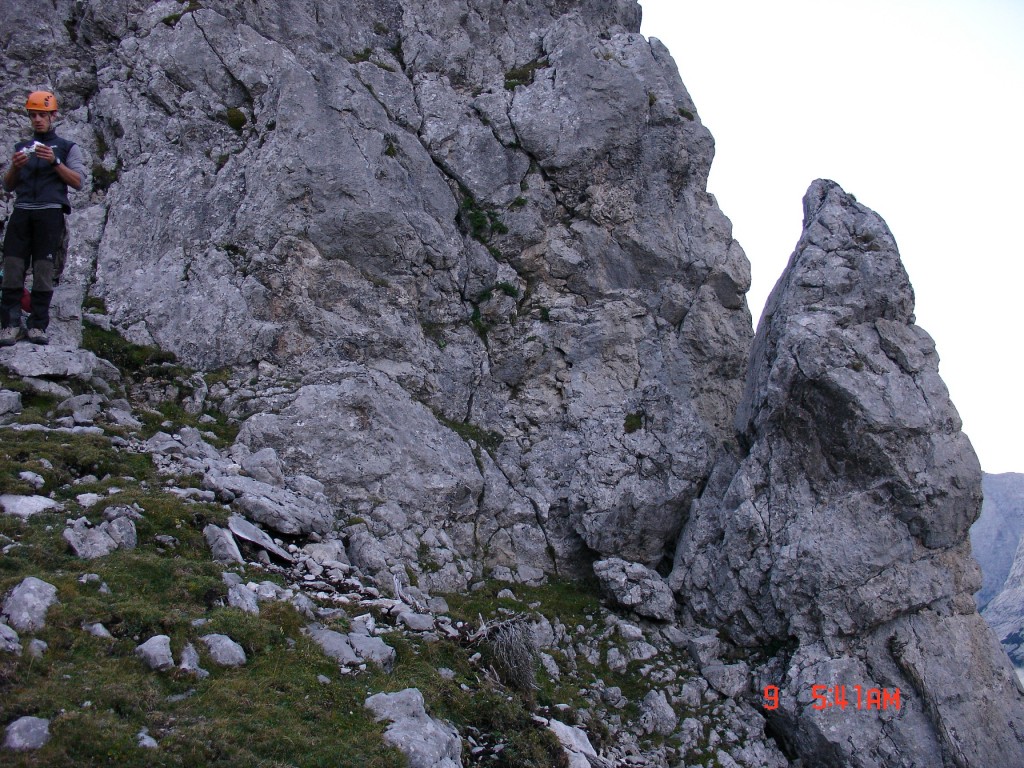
(916, 107)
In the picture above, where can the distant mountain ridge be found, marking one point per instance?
(997, 542)
(998, 530)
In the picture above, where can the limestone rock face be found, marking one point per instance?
(838, 531)
(483, 319)
(475, 231)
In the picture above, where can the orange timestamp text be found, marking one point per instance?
(841, 697)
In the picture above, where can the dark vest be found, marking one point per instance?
(38, 182)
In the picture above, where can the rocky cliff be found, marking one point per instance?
(460, 265)
(471, 241)
(834, 542)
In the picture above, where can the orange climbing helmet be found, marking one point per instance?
(41, 101)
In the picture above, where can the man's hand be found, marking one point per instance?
(19, 160)
(44, 152)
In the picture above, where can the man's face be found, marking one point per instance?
(41, 121)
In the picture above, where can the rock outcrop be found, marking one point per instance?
(471, 239)
(833, 544)
(480, 317)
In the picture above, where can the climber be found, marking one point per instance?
(42, 168)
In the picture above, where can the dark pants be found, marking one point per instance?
(34, 239)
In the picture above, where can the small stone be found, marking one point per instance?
(240, 596)
(87, 500)
(145, 740)
(27, 733)
(26, 606)
(98, 630)
(35, 480)
(9, 640)
(156, 652)
(37, 648)
(224, 651)
(190, 662)
(417, 622)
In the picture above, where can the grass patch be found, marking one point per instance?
(486, 439)
(633, 422)
(525, 74)
(173, 19)
(63, 458)
(130, 358)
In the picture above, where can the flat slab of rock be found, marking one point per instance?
(354, 648)
(224, 652)
(26, 506)
(26, 606)
(243, 529)
(222, 544)
(279, 509)
(417, 622)
(425, 741)
(54, 362)
(27, 733)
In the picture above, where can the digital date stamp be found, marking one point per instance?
(842, 697)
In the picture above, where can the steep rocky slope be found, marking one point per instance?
(460, 265)
(835, 541)
(472, 238)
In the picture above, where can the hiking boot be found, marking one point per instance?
(8, 336)
(38, 336)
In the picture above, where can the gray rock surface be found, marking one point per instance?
(579, 751)
(354, 648)
(243, 529)
(425, 741)
(9, 640)
(481, 317)
(996, 534)
(222, 544)
(190, 662)
(25, 606)
(243, 598)
(492, 274)
(1005, 612)
(26, 506)
(224, 652)
(657, 715)
(838, 529)
(27, 733)
(636, 587)
(10, 404)
(156, 652)
(90, 542)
